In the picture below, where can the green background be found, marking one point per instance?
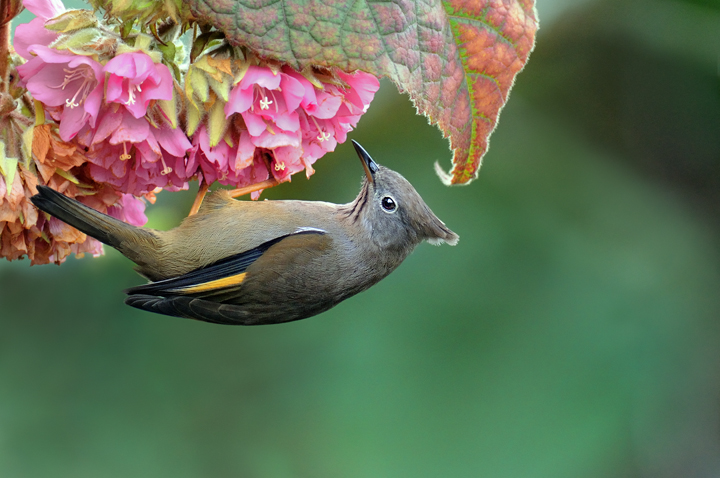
(572, 332)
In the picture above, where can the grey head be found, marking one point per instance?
(395, 213)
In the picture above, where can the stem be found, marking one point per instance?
(5, 56)
(6, 10)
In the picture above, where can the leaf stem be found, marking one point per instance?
(5, 28)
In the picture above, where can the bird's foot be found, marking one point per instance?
(202, 191)
(268, 183)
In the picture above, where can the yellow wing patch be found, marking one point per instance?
(213, 284)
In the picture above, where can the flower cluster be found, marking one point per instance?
(279, 123)
(112, 97)
(104, 107)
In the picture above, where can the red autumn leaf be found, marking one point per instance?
(457, 59)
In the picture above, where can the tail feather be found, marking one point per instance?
(108, 230)
(192, 308)
(81, 217)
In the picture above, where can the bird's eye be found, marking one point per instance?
(388, 204)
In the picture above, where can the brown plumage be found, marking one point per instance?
(248, 263)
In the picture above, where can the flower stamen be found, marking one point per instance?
(276, 104)
(125, 156)
(265, 103)
(323, 136)
(280, 166)
(131, 94)
(166, 169)
(87, 76)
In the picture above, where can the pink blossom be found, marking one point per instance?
(288, 160)
(327, 115)
(355, 100)
(135, 157)
(129, 209)
(74, 83)
(35, 33)
(240, 164)
(361, 91)
(135, 80)
(268, 104)
(292, 120)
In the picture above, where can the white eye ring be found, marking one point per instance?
(388, 203)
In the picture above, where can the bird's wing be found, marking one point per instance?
(199, 294)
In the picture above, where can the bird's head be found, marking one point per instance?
(393, 209)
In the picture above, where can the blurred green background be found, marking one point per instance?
(573, 332)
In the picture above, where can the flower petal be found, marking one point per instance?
(239, 101)
(261, 76)
(44, 9)
(29, 34)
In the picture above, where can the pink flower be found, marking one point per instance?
(74, 83)
(268, 104)
(129, 209)
(135, 157)
(327, 115)
(361, 91)
(241, 164)
(35, 33)
(285, 118)
(135, 80)
(288, 160)
(338, 110)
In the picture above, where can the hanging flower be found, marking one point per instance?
(291, 119)
(238, 164)
(26, 232)
(268, 103)
(134, 156)
(72, 83)
(134, 80)
(329, 114)
(34, 32)
(129, 209)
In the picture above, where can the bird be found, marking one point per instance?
(266, 262)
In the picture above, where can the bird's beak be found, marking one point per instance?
(370, 166)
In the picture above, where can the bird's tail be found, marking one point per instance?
(128, 239)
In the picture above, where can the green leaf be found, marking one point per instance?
(72, 20)
(67, 175)
(8, 168)
(168, 50)
(456, 59)
(169, 107)
(202, 41)
(80, 42)
(216, 123)
(194, 116)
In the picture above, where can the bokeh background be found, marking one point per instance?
(573, 332)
